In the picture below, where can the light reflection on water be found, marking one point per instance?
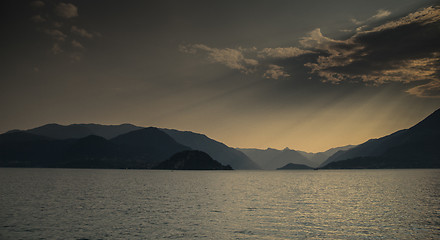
(145, 204)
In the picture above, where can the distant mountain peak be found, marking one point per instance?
(270, 149)
(272, 158)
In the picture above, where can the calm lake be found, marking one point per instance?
(154, 204)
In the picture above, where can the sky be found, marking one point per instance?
(308, 75)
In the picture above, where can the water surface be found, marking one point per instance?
(154, 204)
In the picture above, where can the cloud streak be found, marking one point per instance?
(77, 44)
(231, 58)
(81, 32)
(248, 60)
(66, 10)
(288, 52)
(38, 19)
(56, 34)
(380, 14)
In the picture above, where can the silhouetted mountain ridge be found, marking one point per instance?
(66, 146)
(373, 147)
(416, 147)
(148, 144)
(272, 159)
(217, 150)
(319, 157)
(57, 131)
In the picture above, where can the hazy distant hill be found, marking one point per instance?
(57, 131)
(320, 157)
(316, 158)
(273, 158)
(416, 147)
(217, 150)
(191, 160)
(292, 166)
(332, 151)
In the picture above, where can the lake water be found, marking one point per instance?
(148, 204)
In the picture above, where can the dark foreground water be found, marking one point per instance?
(142, 204)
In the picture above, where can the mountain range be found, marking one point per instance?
(113, 146)
(130, 146)
(57, 131)
(416, 147)
(217, 150)
(320, 157)
(271, 159)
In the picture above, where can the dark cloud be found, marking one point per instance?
(405, 50)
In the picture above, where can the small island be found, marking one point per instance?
(292, 166)
(191, 160)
